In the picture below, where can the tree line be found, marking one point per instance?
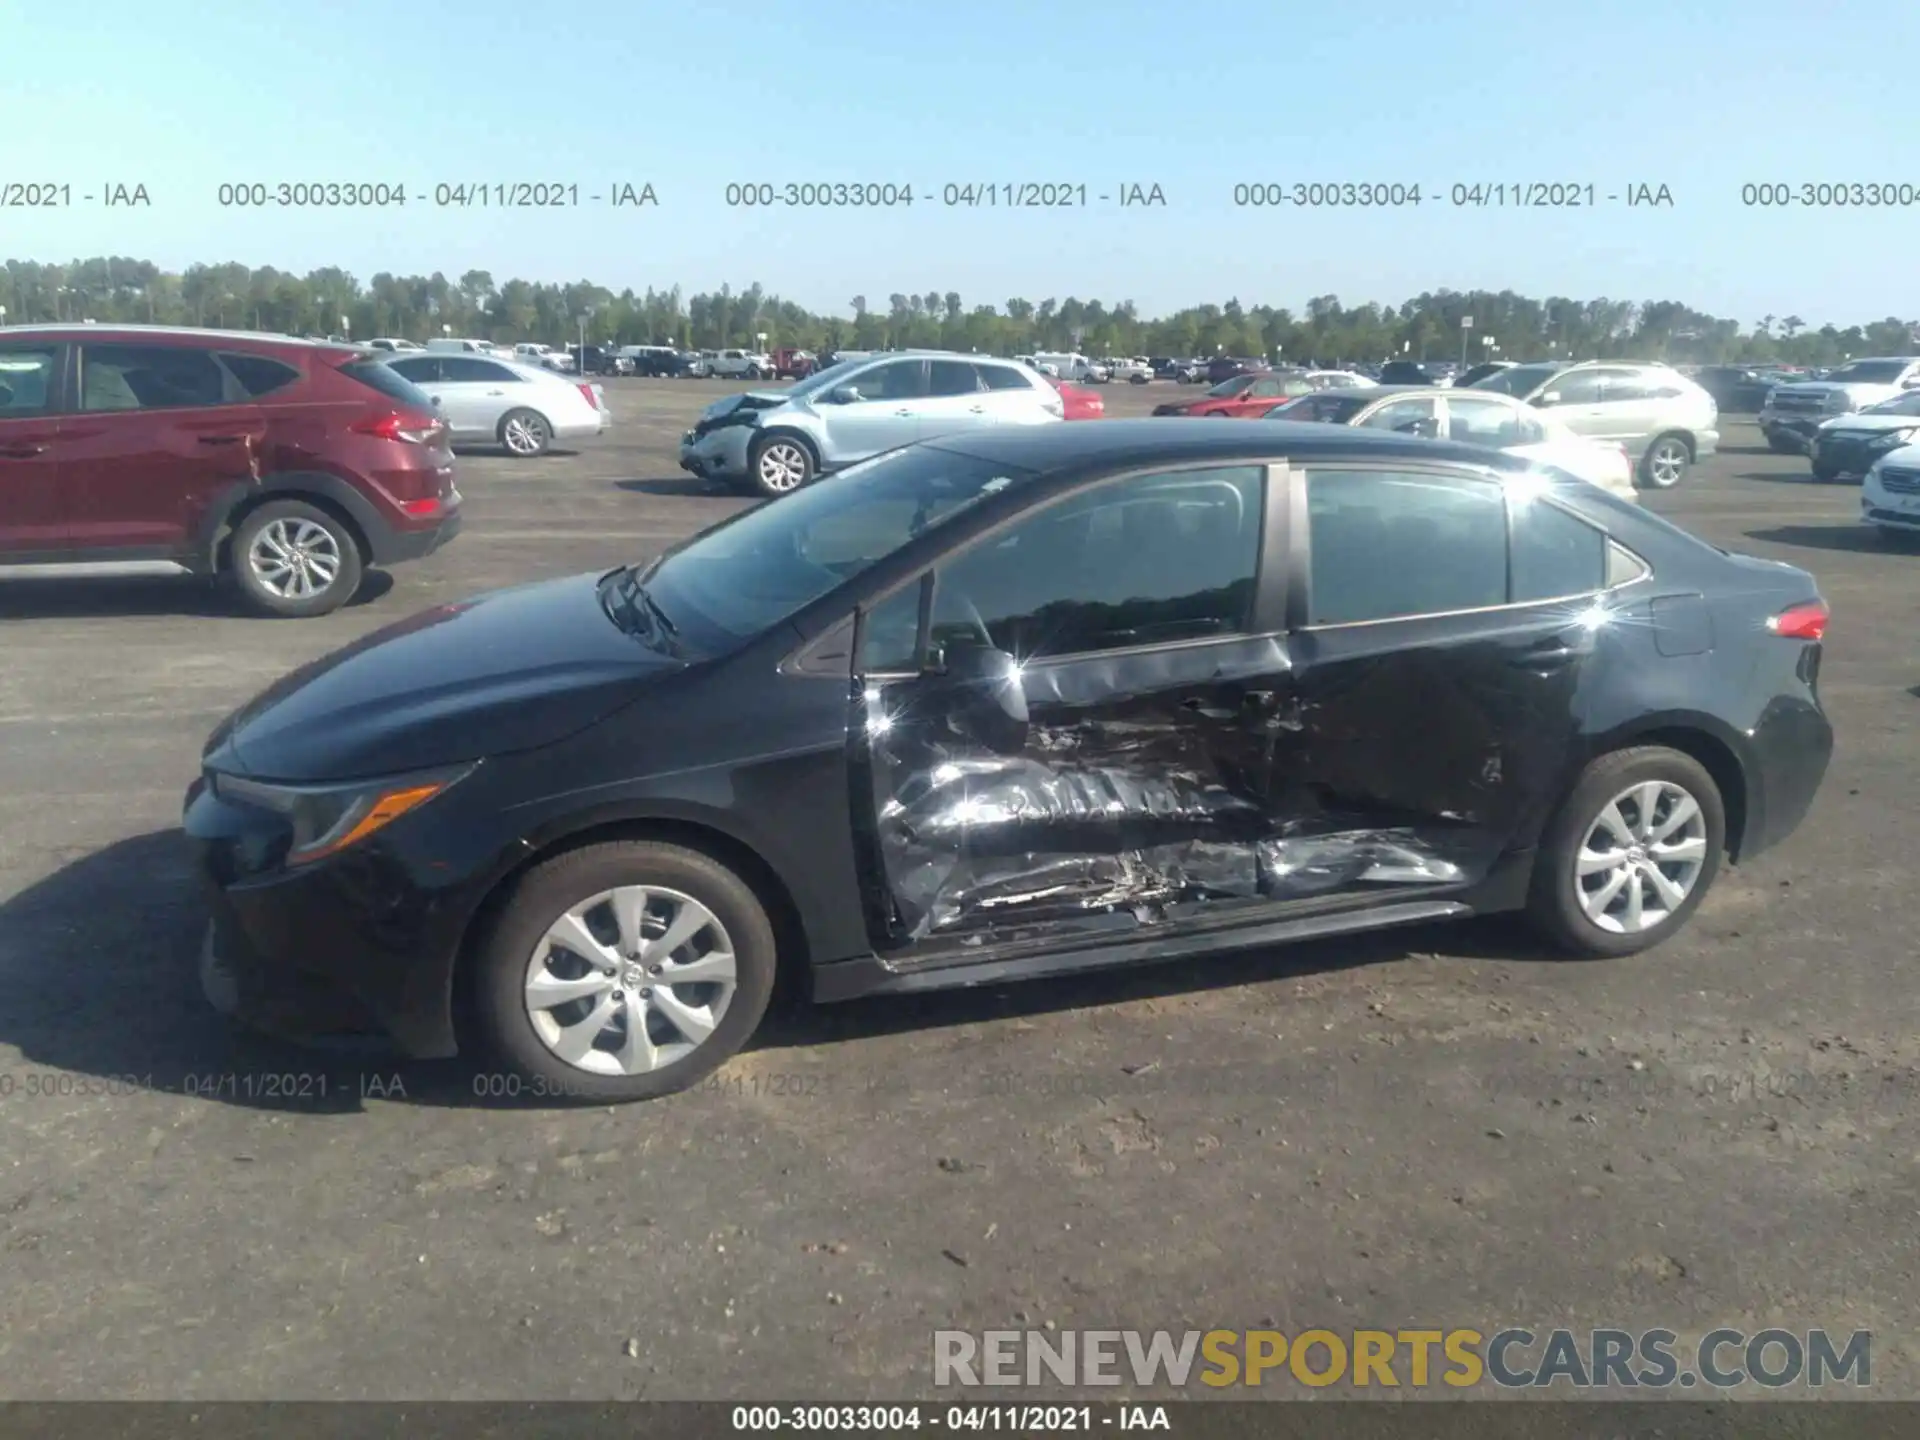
(1438, 324)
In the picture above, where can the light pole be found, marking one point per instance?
(1466, 329)
(346, 327)
(3, 317)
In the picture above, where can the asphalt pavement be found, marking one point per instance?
(1435, 1127)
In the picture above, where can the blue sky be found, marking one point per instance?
(1701, 97)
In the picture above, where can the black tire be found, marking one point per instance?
(1552, 904)
(530, 424)
(1665, 463)
(274, 529)
(1825, 474)
(1895, 538)
(779, 464)
(1780, 446)
(549, 891)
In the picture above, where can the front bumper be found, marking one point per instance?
(1792, 426)
(717, 455)
(346, 947)
(1848, 455)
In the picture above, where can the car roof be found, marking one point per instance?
(67, 330)
(1044, 449)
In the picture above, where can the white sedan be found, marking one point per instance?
(1471, 417)
(522, 408)
(1890, 496)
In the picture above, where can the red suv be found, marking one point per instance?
(286, 466)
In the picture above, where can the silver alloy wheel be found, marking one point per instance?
(1666, 463)
(630, 980)
(783, 465)
(295, 559)
(1641, 857)
(525, 434)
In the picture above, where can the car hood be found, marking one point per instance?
(746, 400)
(1872, 423)
(511, 670)
(1830, 387)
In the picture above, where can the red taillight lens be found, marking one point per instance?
(1801, 622)
(430, 506)
(592, 399)
(404, 426)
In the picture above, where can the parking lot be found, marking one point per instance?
(1431, 1127)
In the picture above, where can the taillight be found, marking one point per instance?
(592, 399)
(1801, 622)
(405, 426)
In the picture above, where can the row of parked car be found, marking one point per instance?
(285, 467)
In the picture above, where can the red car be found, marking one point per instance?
(284, 466)
(1245, 397)
(1082, 403)
(790, 363)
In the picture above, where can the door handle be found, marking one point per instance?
(225, 439)
(494, 393)
(22, 452)
(976, 409)
(1252, 702)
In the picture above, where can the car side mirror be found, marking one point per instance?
(843, 395)
(435, 399)
(982, 689)
(1429, 428)
(1546, 401)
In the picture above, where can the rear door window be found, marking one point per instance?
(952, 377)
(1388, 545)
(153, 377)
(257, 374)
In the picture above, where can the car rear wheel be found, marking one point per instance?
(1780, 445)
(1630, 855)
(625, 971)
(1665, 463)
(292, 560)
(525, 433)
(780, 465)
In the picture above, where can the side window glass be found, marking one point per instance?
(462, 369)
(1408, 417)
(1578, 387)
(1000, 377)
(900, 380)
(952, 377)
(495, 374)
(150, 377)
(258, 375)
(1388, 544)
(1555, 553)
(1152, 559)
(889, 633)
(26, 380)
(1484, 422)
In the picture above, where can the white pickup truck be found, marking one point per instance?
(742, 365)
(1793, 412)
(545, 356)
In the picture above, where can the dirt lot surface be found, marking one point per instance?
(1430, 1128)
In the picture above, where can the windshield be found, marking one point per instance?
(1520, 381)
(1869, 372)
(776, 559)
(1908, 404)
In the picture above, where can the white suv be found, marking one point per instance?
(1792, 413)
(742, 365)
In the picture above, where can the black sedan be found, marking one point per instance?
(1000, 705)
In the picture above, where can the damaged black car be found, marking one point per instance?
(998, 706)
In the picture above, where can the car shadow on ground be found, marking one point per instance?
(57, 597)
(678, 485)
(100, 993)
(1856, 538)
(500, 452)
(1780, 477)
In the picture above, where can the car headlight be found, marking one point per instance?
(1894, 439)
(327, 819)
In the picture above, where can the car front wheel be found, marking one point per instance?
(780, 465)
(292, 560)
(1665, 463)
(1630, 855)
(625, 971)
(1780, 445)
